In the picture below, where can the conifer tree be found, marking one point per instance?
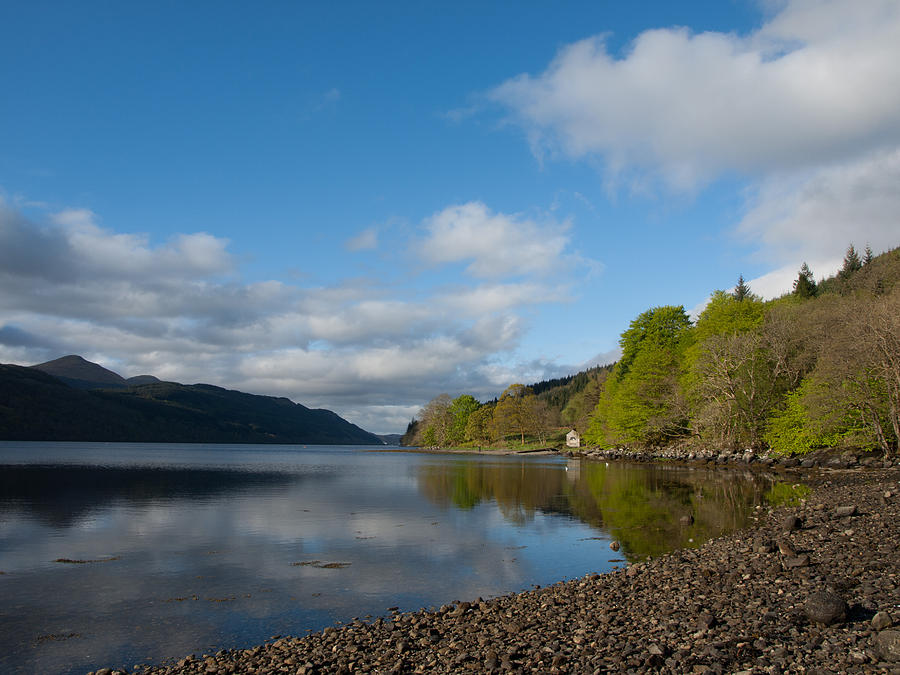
(852, 263)
(742, 290)
(805, 285)
(868, 256)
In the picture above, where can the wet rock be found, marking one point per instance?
(614, 545)
(882, 620)
(825, 607)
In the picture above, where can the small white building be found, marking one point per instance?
(573, 440)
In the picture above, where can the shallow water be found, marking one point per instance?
(122, 554)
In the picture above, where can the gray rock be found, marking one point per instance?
(882, 620)
(825, 607)
(887, 642)
(844, 511)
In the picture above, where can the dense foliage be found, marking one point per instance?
(818, 367)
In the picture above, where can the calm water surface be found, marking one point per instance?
(122, 554)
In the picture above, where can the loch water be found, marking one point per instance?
(123, 554)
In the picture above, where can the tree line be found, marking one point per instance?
(817, 367)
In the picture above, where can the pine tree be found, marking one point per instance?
(868, 256)
(852, 263)
(805, 285)
(742, 290)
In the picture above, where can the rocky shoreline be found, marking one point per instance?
(810, 588)
(824, 458)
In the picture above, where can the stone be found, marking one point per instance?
(705, 621)
(785, 548)
(614, 545)
(844, 511)
(882, 620)
(791, 523)
(825, 607)
(793, 562)
(887, 643)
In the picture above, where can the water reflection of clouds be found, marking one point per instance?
(229, 538)
(231, 545)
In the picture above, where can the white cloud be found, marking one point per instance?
(494, 244)
(365, 240)
(178, 310)
(815, 216)
(819, 82)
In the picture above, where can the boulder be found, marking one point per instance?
(825, 607)
(882, 620)
(887, 642)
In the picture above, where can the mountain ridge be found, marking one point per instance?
(82, 401)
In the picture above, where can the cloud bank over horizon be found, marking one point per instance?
(179, 310)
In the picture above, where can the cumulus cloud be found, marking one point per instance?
(494, 244)
(180, 311)
(806, 109)
(820, 81)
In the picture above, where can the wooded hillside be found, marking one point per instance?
(817, 367)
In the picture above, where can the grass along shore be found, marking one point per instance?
(810, 588)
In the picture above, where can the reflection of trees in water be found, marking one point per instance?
(61, 495)
(519, 489)
(650, 509)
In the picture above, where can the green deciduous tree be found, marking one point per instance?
(478, 427)
(459, 412)
(513, 413)
(729, 378)
(435, 420)
(641, 401)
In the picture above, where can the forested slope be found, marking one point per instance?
(818, 367)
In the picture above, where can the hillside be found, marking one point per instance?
(35, 405)
(816, 368)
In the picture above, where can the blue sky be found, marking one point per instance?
(363, 205)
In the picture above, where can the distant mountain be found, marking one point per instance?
(142, 379)
(81, 373)
(37, 405)
(390, 439)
